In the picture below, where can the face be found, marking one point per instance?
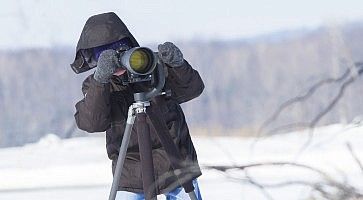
(119, 72)
(122, 44)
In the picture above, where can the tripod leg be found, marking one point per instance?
(143, 133)
(122, 154)
(170, 148)
(192, 195)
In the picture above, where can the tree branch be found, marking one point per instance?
(328, 188)
(355, 157)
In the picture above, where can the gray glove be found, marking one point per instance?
(170, 54)
(106, 66)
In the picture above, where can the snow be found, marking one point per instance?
(79, 168)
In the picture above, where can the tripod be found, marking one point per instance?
(139, 111)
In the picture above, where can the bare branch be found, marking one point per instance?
(352, 73)
(264, 164)
(261, 187)
(338, 132)
(350, 148)
(330, 106)
(303, 97)
(332, 103)
(358, 71)
(328, 188)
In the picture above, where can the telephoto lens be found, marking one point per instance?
(138, 60)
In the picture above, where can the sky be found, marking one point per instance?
(44, 23)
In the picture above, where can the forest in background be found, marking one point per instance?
(246, 80)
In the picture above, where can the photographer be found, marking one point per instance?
(106, 102)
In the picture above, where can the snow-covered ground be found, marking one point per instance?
(78, 168)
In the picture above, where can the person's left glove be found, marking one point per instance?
(106, 66)
(170, 54)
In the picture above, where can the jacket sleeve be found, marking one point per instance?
(185, 82)
(93, 111)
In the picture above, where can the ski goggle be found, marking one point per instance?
(120, 45)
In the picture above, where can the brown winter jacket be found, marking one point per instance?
(104, 108)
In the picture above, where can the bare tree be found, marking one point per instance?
(348, 77)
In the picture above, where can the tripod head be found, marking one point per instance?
(156, 91)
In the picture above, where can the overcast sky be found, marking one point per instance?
(33, 23)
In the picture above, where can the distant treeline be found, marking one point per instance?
(245, 82)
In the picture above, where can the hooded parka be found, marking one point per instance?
(105, 106)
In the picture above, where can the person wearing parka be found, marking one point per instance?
(105, 105)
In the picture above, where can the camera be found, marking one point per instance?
(142, 65)
(139, 63)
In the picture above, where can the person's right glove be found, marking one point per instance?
(106, 66)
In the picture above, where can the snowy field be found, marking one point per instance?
(78, 168)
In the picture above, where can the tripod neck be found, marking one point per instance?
(140, 106)
(146, 96)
